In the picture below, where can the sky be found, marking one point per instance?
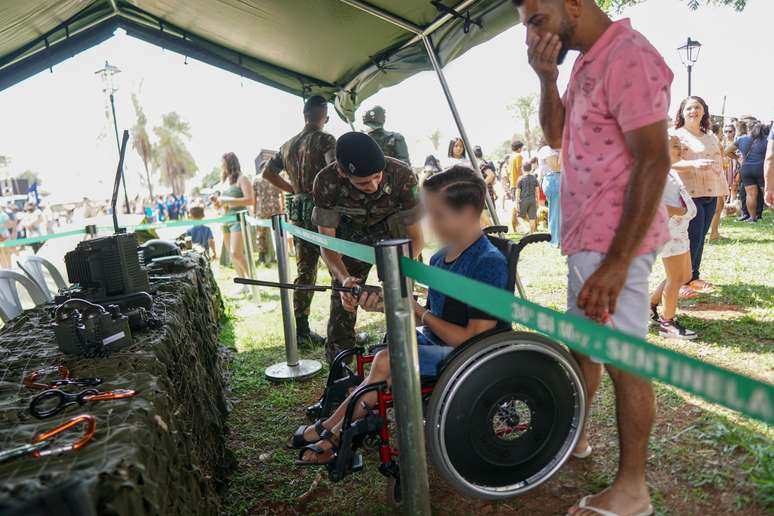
(55, 125)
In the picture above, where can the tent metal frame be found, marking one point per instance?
(425, 36)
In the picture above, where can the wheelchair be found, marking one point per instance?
(503, 414)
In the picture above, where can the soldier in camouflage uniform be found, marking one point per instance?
(302, 157)
(363, 197)
(392, 144)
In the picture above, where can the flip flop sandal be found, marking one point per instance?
(584, 504)
(706, 286)
(687, 292)
(583, 454)
(319, 451)
(298, 440)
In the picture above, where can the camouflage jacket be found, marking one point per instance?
(267, 198)
(392, 144)
(302, 157)
(394, 206)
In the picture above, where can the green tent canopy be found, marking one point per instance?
(345, 50)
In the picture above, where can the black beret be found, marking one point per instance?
(315, 101)
(359, 155)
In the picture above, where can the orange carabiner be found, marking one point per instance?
(30, 381)
(91, 426)
(111, 395)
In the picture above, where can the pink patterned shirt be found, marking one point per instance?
(621, 84)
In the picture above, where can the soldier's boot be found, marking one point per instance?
(307, 339)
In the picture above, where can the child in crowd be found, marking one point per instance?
(676, 254)
(527, 195)
(202, 235)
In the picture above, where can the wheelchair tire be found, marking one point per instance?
(505, 415)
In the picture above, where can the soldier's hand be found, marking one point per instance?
(348, 301)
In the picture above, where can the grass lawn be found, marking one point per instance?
(703, 459)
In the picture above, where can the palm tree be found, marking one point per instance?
(170, 153)
(525, 108)
(435, 139)
(141, 142)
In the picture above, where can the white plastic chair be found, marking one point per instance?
(10, 303)
(37, 268)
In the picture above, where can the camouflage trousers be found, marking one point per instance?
(307, 257)
(341, 323)
(266, 253)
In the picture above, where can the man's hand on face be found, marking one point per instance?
(600, 291)
(543, 52)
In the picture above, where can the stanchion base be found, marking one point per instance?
(282, 372)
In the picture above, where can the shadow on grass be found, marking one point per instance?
(742, 295)
(740, 241)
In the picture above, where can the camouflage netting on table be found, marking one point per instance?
(161, 452)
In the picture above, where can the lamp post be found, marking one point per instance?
(689, 54)
(106, 74)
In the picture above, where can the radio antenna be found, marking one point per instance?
(117, 183)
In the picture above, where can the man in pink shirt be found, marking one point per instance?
(612, 127)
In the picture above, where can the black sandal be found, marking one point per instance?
(327, 435)
(299, 441)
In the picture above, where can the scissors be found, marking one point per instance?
(41, 442)
(63, 400)
(31, 380)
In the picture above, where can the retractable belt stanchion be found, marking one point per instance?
(293, 368)
(404, 366)
(248, 237)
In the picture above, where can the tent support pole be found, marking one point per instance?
(458, 120)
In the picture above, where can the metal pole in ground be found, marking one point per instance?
(293, 368)
(404, 366)
(458, 120)
(248, 237)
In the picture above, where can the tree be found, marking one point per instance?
(4, 161)
(435, 139)
(619, 5)
(170, 153)
(213, 177)
(141, 142)
(525, 109)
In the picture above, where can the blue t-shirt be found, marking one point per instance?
(200, 235)
(753, 157)
(483, 262)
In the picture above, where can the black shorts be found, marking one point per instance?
(752, 176)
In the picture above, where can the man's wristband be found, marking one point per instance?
(422, 318)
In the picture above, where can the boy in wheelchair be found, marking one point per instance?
(454, 201)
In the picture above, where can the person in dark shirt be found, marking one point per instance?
(454, 200)
(202, 235)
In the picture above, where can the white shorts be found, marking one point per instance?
(679, 243)
(633, 304)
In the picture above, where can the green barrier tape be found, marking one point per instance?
(718, 385)
(177, 223)
(264, 223)
(42, 238)
(154, 225)
(364, 253)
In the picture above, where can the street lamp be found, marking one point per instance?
(689, 54)
(106, 74)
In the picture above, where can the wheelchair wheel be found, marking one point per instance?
(505, 415)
